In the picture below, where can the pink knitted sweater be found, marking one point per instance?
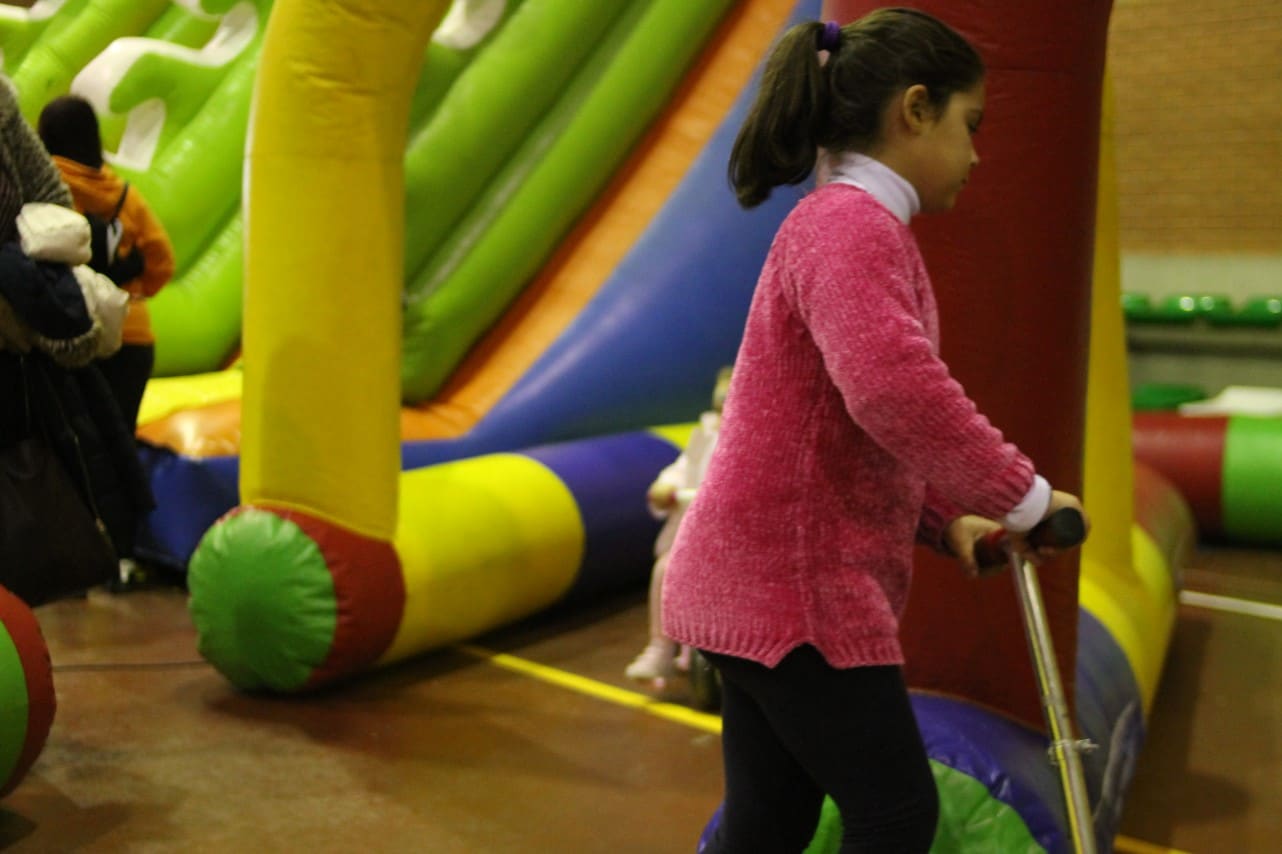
(839, 415)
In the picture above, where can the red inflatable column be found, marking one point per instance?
(1012, 270)
(1190, 453)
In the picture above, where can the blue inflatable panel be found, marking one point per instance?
(1110, 713)
(190, 496)
(1009, 759)
(1012, 761)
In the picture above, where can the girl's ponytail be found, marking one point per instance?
(776, 144)
(839, 105)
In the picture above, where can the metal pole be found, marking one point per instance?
(1064, 750)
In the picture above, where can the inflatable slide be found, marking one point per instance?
(484, 249)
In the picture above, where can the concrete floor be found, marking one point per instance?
(152, 751)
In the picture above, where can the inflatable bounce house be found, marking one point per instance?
(483, 273)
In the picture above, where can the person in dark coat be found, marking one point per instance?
(49, 385)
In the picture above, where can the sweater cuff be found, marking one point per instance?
(1031, 509)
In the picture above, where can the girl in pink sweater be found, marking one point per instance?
(844, 440)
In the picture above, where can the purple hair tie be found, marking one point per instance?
(830, 37)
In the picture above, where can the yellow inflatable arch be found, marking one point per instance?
(320, 465)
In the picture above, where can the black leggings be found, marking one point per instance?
(803, 729)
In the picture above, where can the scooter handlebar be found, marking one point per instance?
(1063, 529)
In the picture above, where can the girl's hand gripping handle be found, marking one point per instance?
(1062, 529)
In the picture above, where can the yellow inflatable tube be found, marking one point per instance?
(308, 557)
(325, 193)
(312, 577)
(1125, 581)
(505, 541)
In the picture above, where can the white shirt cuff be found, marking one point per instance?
(1031, 508)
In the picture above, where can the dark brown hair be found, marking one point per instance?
(802, 105)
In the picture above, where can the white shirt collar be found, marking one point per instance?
(878, 180)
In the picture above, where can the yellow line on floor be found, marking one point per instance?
(600, 690)
(679, 714)
(1126, 845)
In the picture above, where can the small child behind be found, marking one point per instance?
(668, 498)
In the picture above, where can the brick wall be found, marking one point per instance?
(1198, 96)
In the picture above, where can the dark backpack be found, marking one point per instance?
(104, 246)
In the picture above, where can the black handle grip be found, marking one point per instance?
(1062, 529)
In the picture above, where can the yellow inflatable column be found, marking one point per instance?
(1125, 582)
(301, 584)
(323, 276)
(1109, 485)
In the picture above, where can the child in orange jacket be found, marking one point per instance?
(68, 127)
